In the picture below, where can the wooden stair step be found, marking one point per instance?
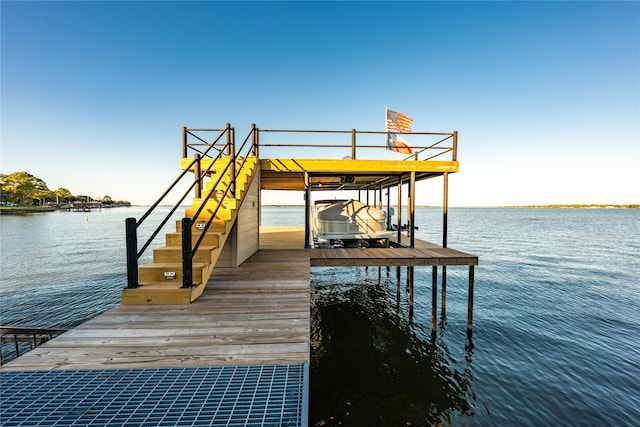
(217, 226)
(223, 183)
(155, 272)
(161, 280)
(227, 203)
(161, 293)
(173, 254)
(224, 214)
(210, 239)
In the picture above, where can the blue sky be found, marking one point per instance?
(545, 95)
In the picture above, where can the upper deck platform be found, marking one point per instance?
(345, 174)
(337, 159)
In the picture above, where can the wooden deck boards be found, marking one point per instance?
(256, 314)
(276, 237)
(390, 257)
(424, 254)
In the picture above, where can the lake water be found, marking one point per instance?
(556, 318)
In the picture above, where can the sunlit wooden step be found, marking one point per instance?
(224, 214)
(156, 293)
(212, 204)
(170, 272)
(173, 254)
(217, 226)
(210, 239)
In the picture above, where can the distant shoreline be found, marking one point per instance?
(23, 210)
(576, 206)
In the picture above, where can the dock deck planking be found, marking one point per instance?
(423, 254)
(256, 314)
(390, 257)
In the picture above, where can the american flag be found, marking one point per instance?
(398, 122)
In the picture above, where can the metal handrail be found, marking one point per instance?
(189, 250)
(131, 224)
(33, 336)
(418, 149)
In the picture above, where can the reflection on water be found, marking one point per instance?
(370, 365)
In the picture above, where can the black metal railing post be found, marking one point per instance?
(227, 130)
(131, 237)
(187, 261)
(232, 177)
(455, 145)
(353, 144)
(184, 142)
(254, 140)
(198, 176)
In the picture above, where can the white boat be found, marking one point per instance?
(349, 224)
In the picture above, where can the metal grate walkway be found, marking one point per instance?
(273, 395)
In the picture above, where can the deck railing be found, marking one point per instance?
(425, 145)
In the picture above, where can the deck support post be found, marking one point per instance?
(445, 212)
(388, 208)
(470, 302)
(445, 209)
(131, 237)
(187, 264)
(443, 302)
(398, 270)
(410, 280)
(307, 211)
(412, 209)
(434, 298)
(400, 210)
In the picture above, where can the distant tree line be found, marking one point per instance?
(24, 189)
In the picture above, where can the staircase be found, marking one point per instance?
(161, 281)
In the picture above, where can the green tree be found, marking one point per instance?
(107, 200)
(62, 194)
(22, 188)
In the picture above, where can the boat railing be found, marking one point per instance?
(424, 145)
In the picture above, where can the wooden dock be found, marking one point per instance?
(403, 257)
(236, 338)
(251, 315)
(245, 343)
(254, 314)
